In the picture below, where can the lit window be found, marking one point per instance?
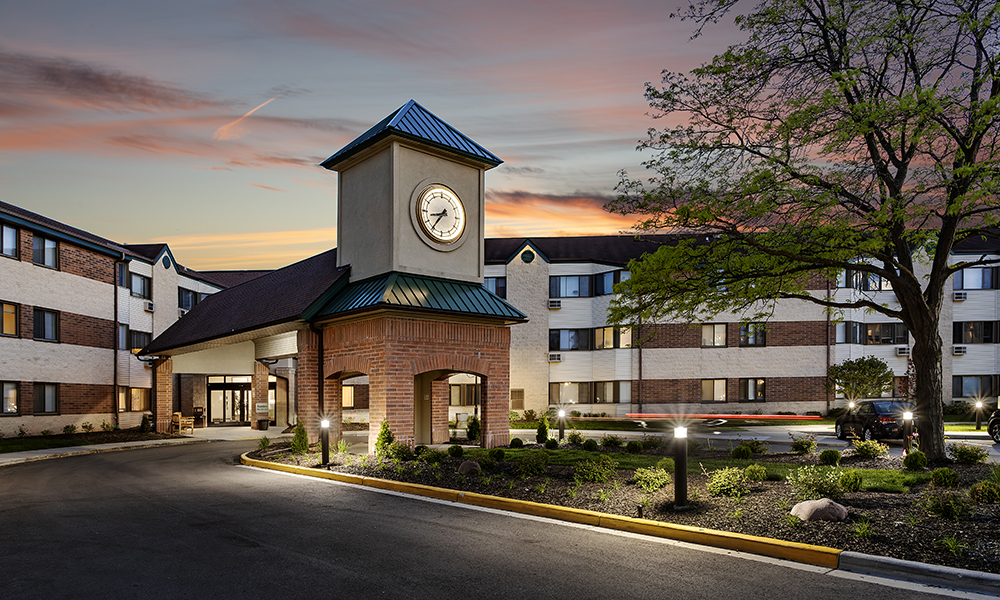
(138, 340)
(9, 319)
(571, 286)
(9, 400)
(752, 390)
(713, 335)
(976, 332)
(713, 390)
(569, 339)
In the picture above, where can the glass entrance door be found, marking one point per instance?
(229, 406)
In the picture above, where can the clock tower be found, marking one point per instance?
(411, 199)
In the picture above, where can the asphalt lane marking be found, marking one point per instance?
(883, 581)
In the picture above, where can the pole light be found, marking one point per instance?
(562, 424)
(979, 415)
(850, 405)
(680, 468)
(324, 436)
(907, 430)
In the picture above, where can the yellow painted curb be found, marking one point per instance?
(805, 553)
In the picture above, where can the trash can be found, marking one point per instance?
(262, 424)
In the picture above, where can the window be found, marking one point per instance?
(141, 286)
(122, 399)
(45, 252)
(886, 333)
(571, 286)
(713, 390)
(612, 337)
(46, 398)
(347, 396)
(973, 386)
(123, 279)
(860, 280)
(976, 332)
(850, 332)
(569, 393)
(713, 335)
(187, 299)
(751, 390)
(9, 325)
(9, 400)
(517, 399)
(497, 285)
(976, 278)
(138, 399)
(8, 241)
(752, 334)
(569, 339)
(605, 392)
(46, 325)
(138, 340)
(122, 337)
(464, 394)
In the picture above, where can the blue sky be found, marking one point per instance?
(201, 123)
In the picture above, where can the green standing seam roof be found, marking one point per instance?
(398, 290)
(415, 122)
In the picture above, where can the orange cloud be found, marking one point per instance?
(523, 214)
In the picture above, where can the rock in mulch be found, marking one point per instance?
(820, 510)
(469, 466)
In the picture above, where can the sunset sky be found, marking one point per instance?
(201, 123)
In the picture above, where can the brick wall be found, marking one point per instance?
(778, 389)
(163, 393)
(779, 333)
(307, 383)
(360, 395)
(74, 260)
(86, 331)
(82, 399)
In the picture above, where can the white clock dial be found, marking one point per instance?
(441, 214)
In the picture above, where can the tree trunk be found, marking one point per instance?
(929, 397)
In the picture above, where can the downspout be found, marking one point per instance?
(319, 373)
(828, 349)
(114, 333)
(640, 338)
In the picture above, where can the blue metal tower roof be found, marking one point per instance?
(417, 123)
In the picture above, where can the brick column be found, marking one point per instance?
(333, 408)
(307, 379)
(258, 386)
(163, 393)
(440, 399)
(495, 418)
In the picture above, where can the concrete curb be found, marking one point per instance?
(947, 577)
(804, 553)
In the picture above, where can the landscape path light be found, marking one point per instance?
(324, 436)
(979, 415)
(680, 468)
(907, 430)
(562, 423)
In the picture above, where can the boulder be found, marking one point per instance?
(469, 466)
(820, 510)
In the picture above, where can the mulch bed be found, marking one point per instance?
(900, 528)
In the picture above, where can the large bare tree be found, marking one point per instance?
(853, 135)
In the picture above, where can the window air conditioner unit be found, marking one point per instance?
(902, 350)
(959, 296)
(181, 312)
(149, 306)
(555, 358)
(555, 303)
(959, 350)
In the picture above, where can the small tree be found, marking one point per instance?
(472, 429)
(384, 439)
(865, 377)
(542, 433)
(300, 440)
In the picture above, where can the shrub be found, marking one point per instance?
(830, 457)
(400, 451)
(455, 451)
(870, 449)
(21, 431)
(803, 444)
(87, 427)
(574, 413)
(472, 428)
(69, 429)
(384, 439)
(950, 504)
(728, 481)
(985, 492)
(343, 446)
(756, 446)
(944, 478)
(575, 437)
(598, 469)
(46, 432)
(144, 426)
(513, 416)
(667, 464)
(530, 415)
(542, 433)
(610, 440)
(968, 454)
(300, 440)
(263, 443)
(634, 447)
(496, 454)
(915, 461)
(741, 452)
(433, 457)
(420, 449)
(533, 463)
(958, 407)
(850, 481)
(516, 443)
(551, 444)
(590, 445)
(812, 483)
(755, 472)
(105, 426)
(651, 479)
(651, 442)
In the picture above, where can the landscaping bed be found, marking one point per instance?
(880, 522)
(64, 440)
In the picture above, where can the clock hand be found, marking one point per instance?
(440, 215)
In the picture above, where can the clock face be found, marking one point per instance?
(441, 214)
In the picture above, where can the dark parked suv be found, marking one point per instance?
(872, 419)
(993, 426)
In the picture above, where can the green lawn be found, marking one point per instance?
(37, 443)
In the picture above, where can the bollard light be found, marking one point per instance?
(562, 424)
(680, 468)
(979, 415)
(850, 405)
(324, 431)
(907, 431)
